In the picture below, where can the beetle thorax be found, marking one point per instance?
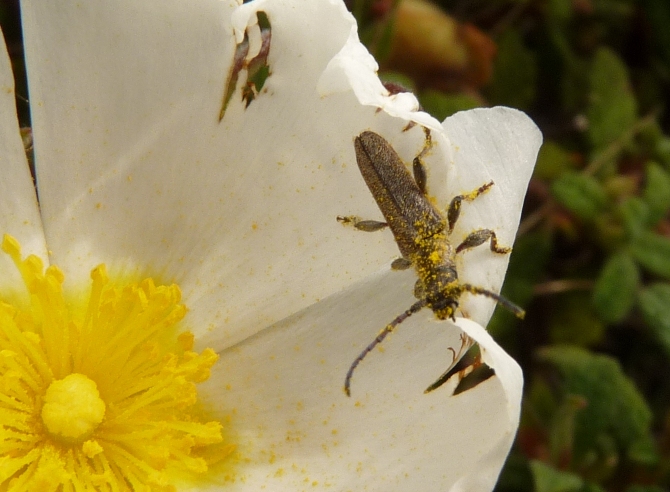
(437, 276)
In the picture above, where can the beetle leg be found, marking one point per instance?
(362, 225)
(480, 236)
(401, 264)
(418, 169)
(455, 206)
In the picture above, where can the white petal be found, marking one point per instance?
(136, 170)
(499, 145)
(19, 214)
(294, 424)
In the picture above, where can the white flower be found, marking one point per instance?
(135, 170)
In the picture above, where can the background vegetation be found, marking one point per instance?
(592, 261)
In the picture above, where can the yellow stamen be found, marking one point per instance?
(96, 397)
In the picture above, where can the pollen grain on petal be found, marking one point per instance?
(100, 398)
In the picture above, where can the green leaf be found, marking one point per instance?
(652, 251)
(540, 404)
(403, 82)
(657, 192)
(441, 105)
(592, 487)
(573, 320)
(560, 10)
(583, 195)
(644, 452)
(562, 429)
(612, 107)
(527, 266)
(635, 214)
(548, 479)
(615, 410)
(384, 38)
(662, 151)
(515, 476)
(377, 36)
(646, 488)
(615, 290)
(575, 84)
(514, 72)
(657, 15)
(552, 161)
(655, 306)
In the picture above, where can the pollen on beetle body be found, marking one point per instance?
(92, 395)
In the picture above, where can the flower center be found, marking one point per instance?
(72, 408)
(95, 392)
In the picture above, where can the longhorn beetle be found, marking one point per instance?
(422, 234)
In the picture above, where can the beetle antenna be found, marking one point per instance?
(417, 306)
(509, 305)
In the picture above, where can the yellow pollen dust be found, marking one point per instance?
(94, 393)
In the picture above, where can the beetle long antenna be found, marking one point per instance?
(417, 306)
(509, 305)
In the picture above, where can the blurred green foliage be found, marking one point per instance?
(592, 261)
